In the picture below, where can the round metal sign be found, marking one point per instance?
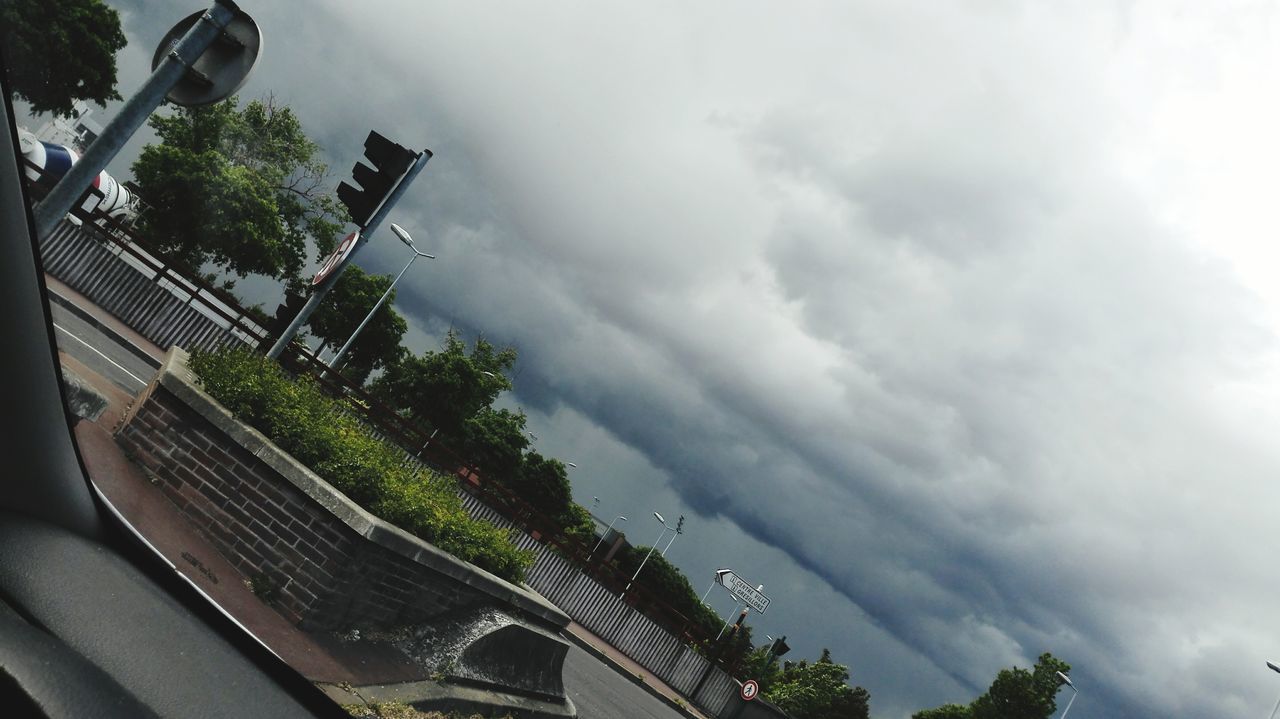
(750, 689)
(223, 67)
(340, 253)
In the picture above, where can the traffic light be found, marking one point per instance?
(390, 162)
(780, 646)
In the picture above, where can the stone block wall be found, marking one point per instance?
(328, 563)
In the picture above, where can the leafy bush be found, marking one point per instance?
(303, 421)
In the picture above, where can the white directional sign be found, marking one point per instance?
(743, 590)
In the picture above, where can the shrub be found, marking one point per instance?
(303, 421)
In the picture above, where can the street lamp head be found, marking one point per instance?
(402, 234)
(1067, 679)
(571, 464)
(659, 518)
(622, 517)
(1274, 667)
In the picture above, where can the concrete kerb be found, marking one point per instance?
(82, 313)
(430, 695)
(608, 661)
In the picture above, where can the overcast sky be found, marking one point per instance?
(954, 324)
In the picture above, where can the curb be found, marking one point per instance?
(608, 661)
(101, 326)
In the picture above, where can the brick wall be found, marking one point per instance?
(326, 574)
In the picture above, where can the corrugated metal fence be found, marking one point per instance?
(142, 291)
(610, 618)
(170, 310)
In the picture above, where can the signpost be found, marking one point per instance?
(743, 590)
(750, 690)
(381, 187)
(221, 71)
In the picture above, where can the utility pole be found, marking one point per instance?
(395, 169)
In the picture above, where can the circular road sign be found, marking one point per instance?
(340, 253)
(222, 68)
(749, 690)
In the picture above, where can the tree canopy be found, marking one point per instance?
(1014, 694)
(819, 691)
(443, 389)
(240, 189)
(345, 307)
(60, 52)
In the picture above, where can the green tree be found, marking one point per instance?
(495, 441)
(946, 711)
(345, 307)
(578, 524)
(239, 189)
(544, 483)
(665, 581)
(819, 691)
(60, 52)
(1015, 694)
(442, 389)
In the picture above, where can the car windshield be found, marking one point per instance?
(718, 360)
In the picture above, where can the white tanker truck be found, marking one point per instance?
(53, 162)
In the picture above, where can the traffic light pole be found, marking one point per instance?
(318, 294)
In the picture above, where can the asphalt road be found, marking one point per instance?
(99, 352)
(599, 692)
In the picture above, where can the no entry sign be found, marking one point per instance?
(749, 690)
(340, 253)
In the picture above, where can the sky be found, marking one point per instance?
(953, 325)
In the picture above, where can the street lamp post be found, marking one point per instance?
(649, 553)
(679, 530)
(405, 238)
(715, 579)
(1074, 693)
(606, 532)
(1275, 668)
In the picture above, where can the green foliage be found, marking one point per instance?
(664, 580)
(60, 52)
(495, 440)
(301, 420)
(819, 691)
(544, 483)
(240, 189)
(441, 390)
(342, 310)
(946, 711)
(578, 524)
(1015, 694)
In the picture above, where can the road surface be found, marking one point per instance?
(99, 352)
(599, 692)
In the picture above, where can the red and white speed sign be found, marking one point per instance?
(334, 261)
(750, 689)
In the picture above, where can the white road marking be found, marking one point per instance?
(117, 365)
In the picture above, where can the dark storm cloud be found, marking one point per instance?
(872, 290)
